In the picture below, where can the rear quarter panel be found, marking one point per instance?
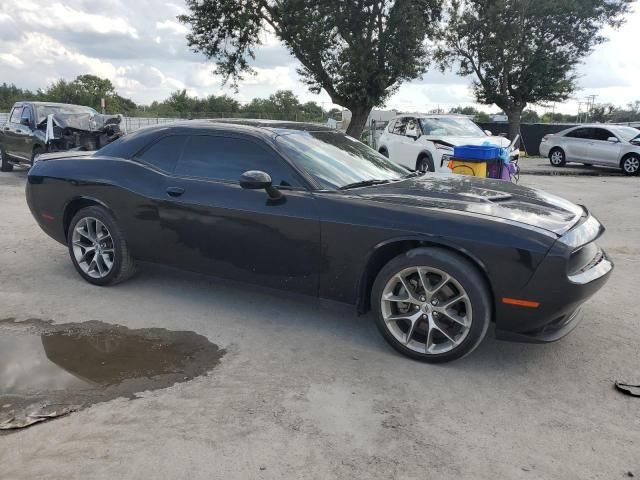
(126, 188)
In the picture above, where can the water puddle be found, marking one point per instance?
(48, 370)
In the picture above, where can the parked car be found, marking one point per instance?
(38, 127)
(608, 145)
(425, 142)
(312, 211)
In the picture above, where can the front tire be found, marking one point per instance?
(97, 247)
(425, 164)
(431, 305)
(5, 166)
(630, 164)
(557, 157)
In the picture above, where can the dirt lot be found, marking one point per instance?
(306, 391)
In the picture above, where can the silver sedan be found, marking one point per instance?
(608, 145)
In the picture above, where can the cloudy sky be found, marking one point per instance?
(140, 46)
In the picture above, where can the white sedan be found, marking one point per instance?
(425, 142)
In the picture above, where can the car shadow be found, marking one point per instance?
(268, 311)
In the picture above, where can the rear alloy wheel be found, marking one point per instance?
(431, 305)
(98, 249)
(557, 158)
(631, 165)
(5, 166)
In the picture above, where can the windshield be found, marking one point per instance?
(336, 160)
(46, 110)
(626, 133)
(450, 127)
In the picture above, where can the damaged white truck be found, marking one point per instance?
(34, 128)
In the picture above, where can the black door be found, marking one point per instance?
(211, 224)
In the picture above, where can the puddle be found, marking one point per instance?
(49, 370)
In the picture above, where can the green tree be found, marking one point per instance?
(530, 116)
(359, 52)
(10, 94)
(524, 52)
(88, 90)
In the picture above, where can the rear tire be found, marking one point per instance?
(384, 152)
(630, 165)
(416, 328)
(97, 247)
(557, 157)
(36, 151)
(5, 166)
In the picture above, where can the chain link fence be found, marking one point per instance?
(131, 124)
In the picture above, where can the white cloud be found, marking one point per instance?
(173, 27)
(141, 47)
(62, 17)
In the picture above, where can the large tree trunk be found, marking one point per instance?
(359, 116)
(514, 124)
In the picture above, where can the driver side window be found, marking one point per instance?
(227, 158)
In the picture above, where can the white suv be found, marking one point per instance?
(425, 142)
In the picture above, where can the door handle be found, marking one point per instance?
(175, 191)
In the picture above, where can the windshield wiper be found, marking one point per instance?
(364, 183)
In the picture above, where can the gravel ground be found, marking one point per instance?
(308, 391)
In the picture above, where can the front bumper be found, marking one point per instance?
(572, 272)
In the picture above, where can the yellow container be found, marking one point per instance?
(474, 169)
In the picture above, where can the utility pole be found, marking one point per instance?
(591, 100)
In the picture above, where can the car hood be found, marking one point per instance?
(491, 198)
(500, 141)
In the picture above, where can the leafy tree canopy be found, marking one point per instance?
(358, 51)
(524, 52)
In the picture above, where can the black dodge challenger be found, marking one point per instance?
(309, 210)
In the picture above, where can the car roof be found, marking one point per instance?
(243, 125)
(128, 145)
(49, 104)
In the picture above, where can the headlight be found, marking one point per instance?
(584, 233)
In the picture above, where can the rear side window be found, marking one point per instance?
(16, 115)
(226, 158)
(164, 154)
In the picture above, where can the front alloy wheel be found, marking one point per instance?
(431, 304)
(631, 165)
(427, 310)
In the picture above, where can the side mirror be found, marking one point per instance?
(612, 140)
(25, 122)
(489, 133)
(257, 180)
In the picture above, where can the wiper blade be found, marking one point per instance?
(364, 183)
